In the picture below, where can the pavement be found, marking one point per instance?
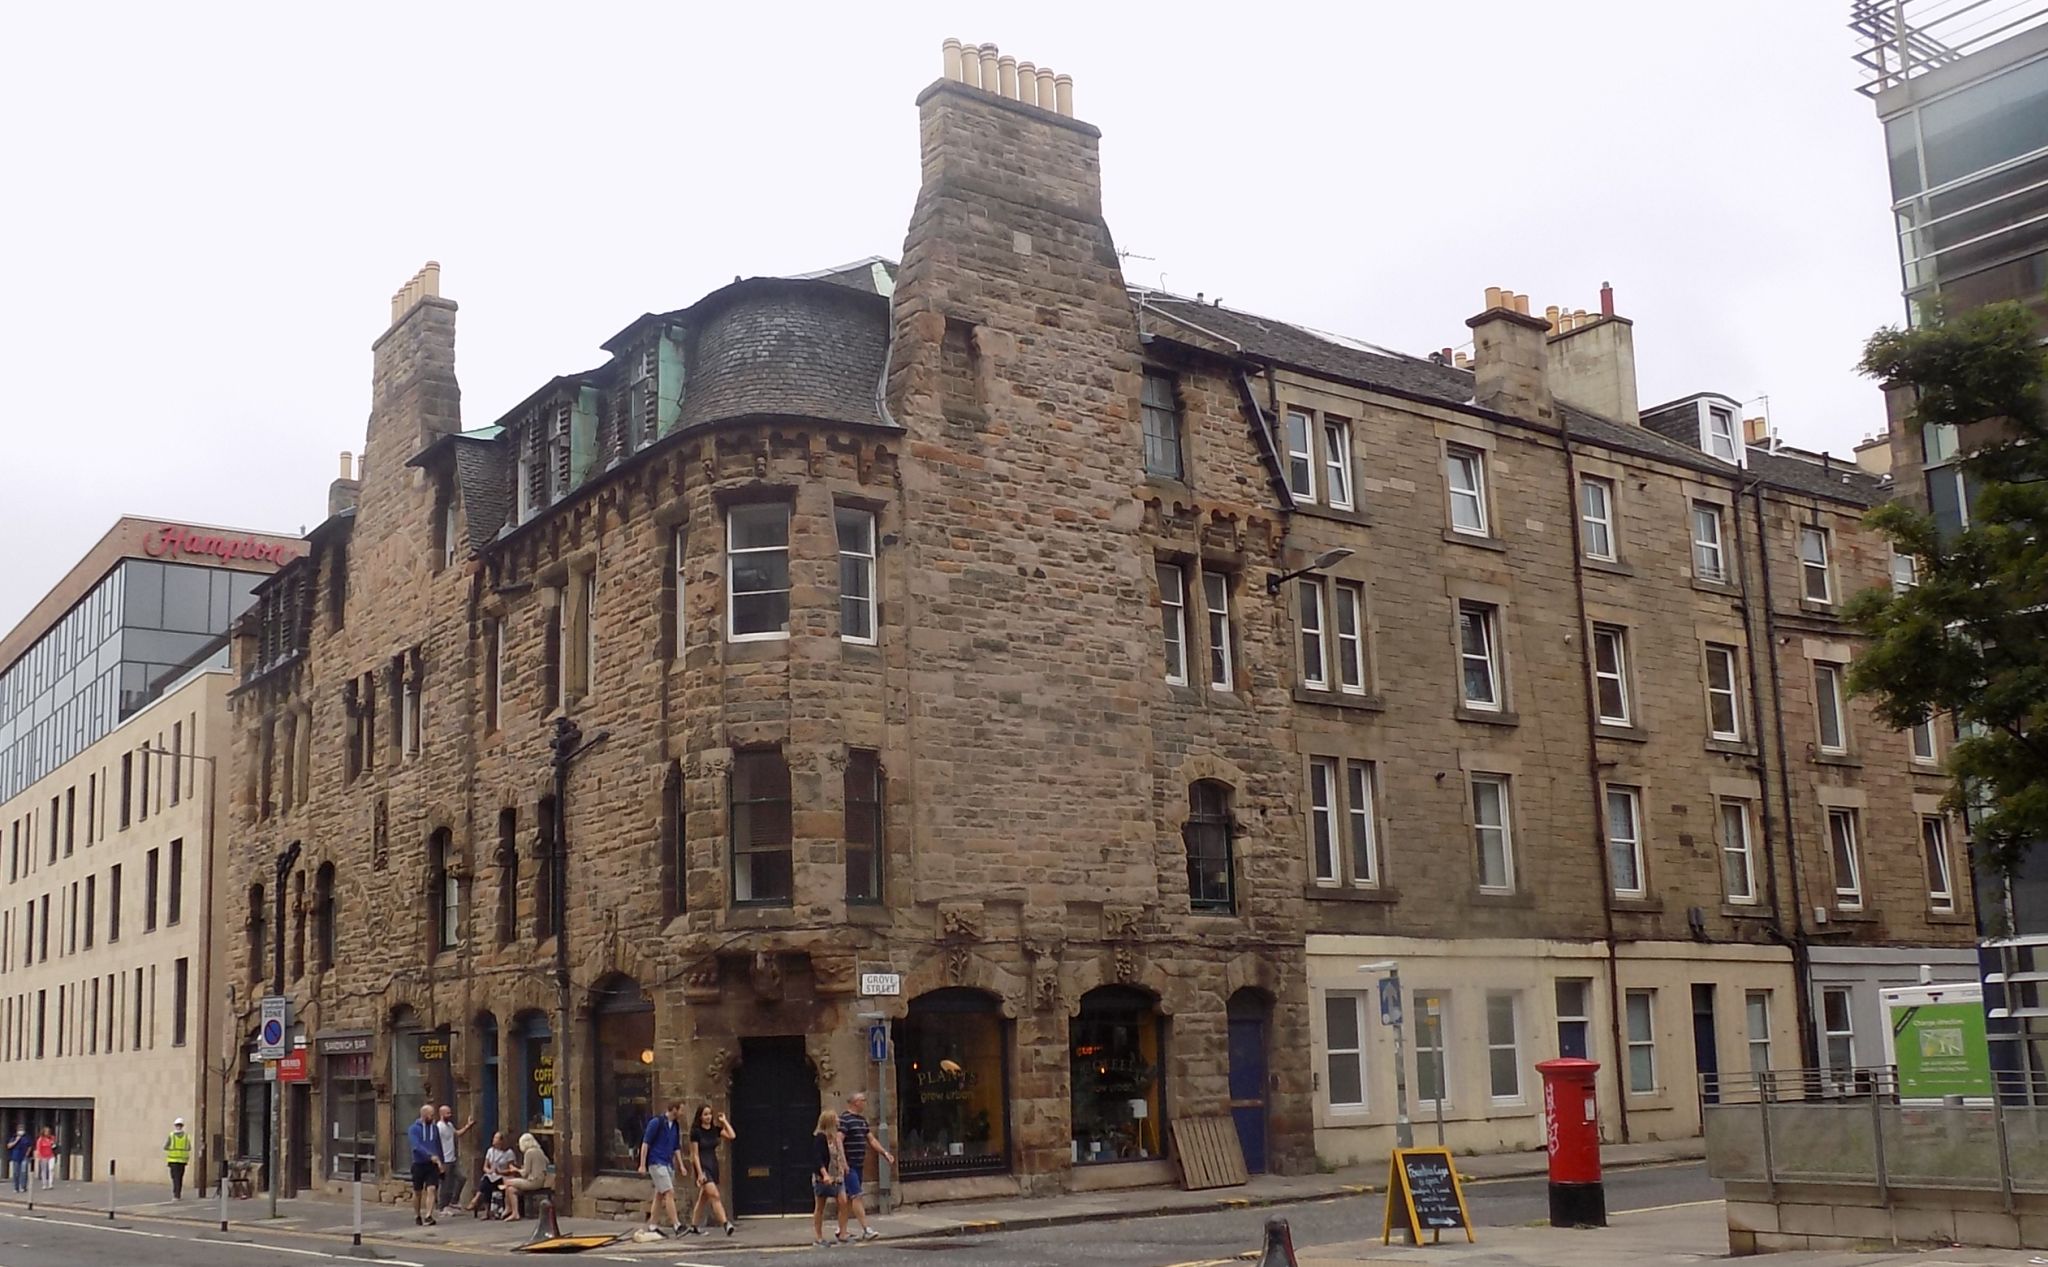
(328, 1219)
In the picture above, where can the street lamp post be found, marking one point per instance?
(1404, 1130)
(565, 745)
(206, 964)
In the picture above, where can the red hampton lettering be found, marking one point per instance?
(171, 541)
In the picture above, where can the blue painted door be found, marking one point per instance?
(1248, 1078)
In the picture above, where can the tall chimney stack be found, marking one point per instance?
(342, 493)
(1510, 364)
(1593, 361)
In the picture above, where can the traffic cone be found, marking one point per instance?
(1279, 1245)
(549, 1227)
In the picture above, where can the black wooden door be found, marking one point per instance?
(775, 1108)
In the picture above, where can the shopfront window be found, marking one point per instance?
(1116, 1047)
(952, 1081)
(533, 1046)
(419, 1075)
(623, 1017)
(351, 1106)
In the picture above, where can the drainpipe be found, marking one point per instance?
(1766, 825)
(1593, 780)
(1802, 962)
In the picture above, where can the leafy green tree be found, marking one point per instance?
(1970, 639)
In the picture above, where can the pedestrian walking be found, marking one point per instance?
(450, 1188)
(661, 1151)
(177, 1156)
(708, 1129)
(856, 1134)
(19, 1146)
(424, 1136)
(46, 1158)
(828, 1172)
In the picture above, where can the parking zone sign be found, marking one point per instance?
(273, 1036)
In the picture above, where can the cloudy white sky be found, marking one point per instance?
(209, 206)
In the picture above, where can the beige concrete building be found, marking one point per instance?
(112, 711)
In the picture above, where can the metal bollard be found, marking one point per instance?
(110, 1190)
(34, 1169)
(1279, 1245)
(356, 1239)
(223, 1194)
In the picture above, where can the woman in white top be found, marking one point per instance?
(500, 1163)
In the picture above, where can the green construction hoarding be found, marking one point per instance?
(1941, 1050)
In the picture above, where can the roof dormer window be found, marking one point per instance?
(1718, 436)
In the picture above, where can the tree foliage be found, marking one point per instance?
(1970, 639)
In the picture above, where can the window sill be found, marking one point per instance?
(1502, 717)
(1861, 915)
(1725, 589)
(1844, 760)
(1813, 608)
(1744, 910)
(1203, 696)
(760, 915)
(1644, 905)
(1317, 510)
(1623, 734)
(1479, 897)
(1352, 893)
(1612, 567)
(1474, 540)
(1731, 747)
(866, 912)
(1928, 769)
(1173, 484)
(1949, 918)
(1338, 698)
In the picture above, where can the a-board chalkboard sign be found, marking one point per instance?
(1423, 1193)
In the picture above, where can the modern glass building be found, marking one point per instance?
(124, 625)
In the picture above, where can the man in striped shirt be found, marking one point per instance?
(856, 1134)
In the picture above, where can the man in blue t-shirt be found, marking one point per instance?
(857, 1135)
(425, 1137)
(661, 1146)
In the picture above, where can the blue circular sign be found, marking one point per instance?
(273, 1032)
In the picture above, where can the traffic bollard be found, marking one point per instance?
(223, 1194)
(35, 1171)
(356, 1240)
(1279, 1245)
(110, 1190)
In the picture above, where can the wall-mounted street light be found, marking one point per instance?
(1327, 559)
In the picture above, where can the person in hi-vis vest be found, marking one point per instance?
(178, 1155)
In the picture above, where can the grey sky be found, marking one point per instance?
(209, 206)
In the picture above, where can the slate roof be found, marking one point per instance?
(484, 473)
(785, 347)
(1333, 356)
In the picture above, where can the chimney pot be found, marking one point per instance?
(1493, 297)
(970, 66)
(991, 74)
(1522, 304)
(1047, 98)
(1027, 83)
(1063, 94)
(1550, 315)
(1461, 360)
(1006, 67)
(1447, 356)
(430, 279)
(1606, 299)
(950, 54)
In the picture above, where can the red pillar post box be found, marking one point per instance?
(1571, 1124)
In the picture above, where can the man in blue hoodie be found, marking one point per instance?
(425, 1137)
(18, 1146)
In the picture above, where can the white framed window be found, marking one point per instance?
(1344, 1031)
(1756, 1009)
(1301, 456)
(1350, 604)
(1724, 702)
(1160, 406)
(1838, 1029)
(1575, 1017)
(1596, 515)
(451, 910)
(1905, 572)
(1493, 833)
(1429, 1012)
(1709, 561)
(1610, 674)
(1827, 699)
(1848, 862)
(1360, 811)
(1322, 819)
(1216, 597)
(587, 667)
(1641, 1010)
(856, 529)
(1173, 621)
(1721, 441)
(757, 572)
(1503, 1046)
(408, 717)
(1922, 739)
(449, 527)
(1941, 893)
(1465, 476)
(1816, 583)
(1337, 461)
(1479, 655)
(1315, 652)
(1738, 861)
(1625, 841)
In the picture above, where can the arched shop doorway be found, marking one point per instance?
(775, 1106)
(953, 1086)
(1117, 1057)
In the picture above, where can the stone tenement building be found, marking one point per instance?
(1121, 671)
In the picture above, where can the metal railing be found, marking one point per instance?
(1851, 1126)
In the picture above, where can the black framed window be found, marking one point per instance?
(762, 836)
(622, 1018)
(864, 805)
(953, 1085)
(1117, 1045)
(1209, 844)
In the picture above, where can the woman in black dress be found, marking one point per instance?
(707, 1131)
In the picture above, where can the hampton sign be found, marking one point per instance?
(177, 543)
